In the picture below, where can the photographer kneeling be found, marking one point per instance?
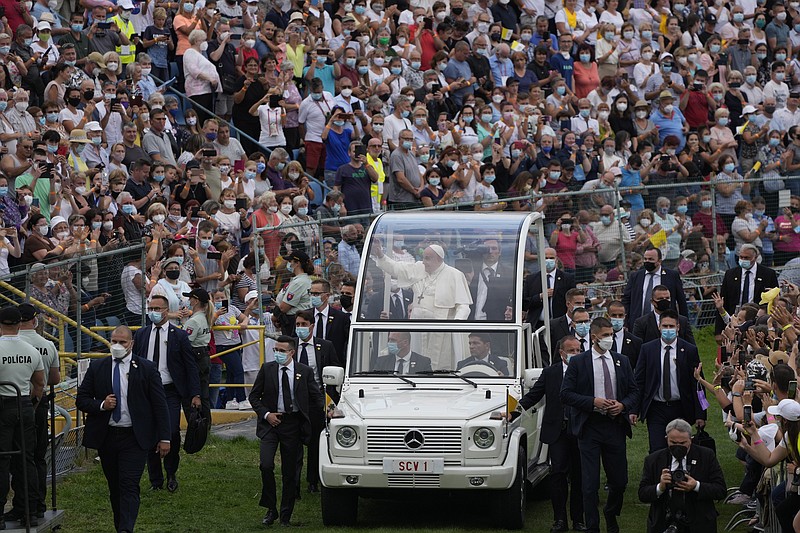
(681, 483)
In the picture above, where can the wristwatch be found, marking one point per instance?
(737, 394)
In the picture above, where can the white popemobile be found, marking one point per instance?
(423, 394)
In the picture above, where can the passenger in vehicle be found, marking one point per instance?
(401, 359)
(492, 286)
(480, 352)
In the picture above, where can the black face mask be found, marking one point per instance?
(457, 10)
(650, 266)
(678, 452)
(384, 97)
(346, 300)
(769, 109)
(495, 36)
(88, 95)
(662, 305)
(74, 101)
(172, 274)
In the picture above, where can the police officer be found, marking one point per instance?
(199, 332)
(51, 363)
(20, 364)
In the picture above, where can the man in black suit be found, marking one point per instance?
(317, 354)
(480, 353)
(639, 290)
(666, 496)
(399, 302)
(286, 397)
(564, 454)
(492, 285)
(558, 284)
(665, 379)
(126, 418)
(745, 283)
(646, 326)
(600, 391)
(169, 348)
(564, 325)
(624, 342)
(330, 324)
(401, 359)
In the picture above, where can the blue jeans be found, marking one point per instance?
(235, 373)
(214, 376)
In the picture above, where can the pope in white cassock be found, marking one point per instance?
(441, 293)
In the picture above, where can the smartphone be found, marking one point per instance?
(214, 255)
(35, 202)
(792, 392)
(104, 179)
(238, 165)
(137, 100)
(323, 52)
(546, 119)
(428, 23)
(274, 100)
(748, 414)
(784, 198)
(114, 101)
(361, 150)
(356, 106)
(225, 304)
(116, 234)
(195, 210)
(210, 152)
(241, 203)
(103, 25)
(776, 345)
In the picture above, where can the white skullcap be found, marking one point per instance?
(56, 221)
(250, 295)
(438, 249)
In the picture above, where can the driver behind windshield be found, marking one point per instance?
(401, 359)
(480, 351)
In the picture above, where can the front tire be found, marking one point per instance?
(511, 502)
(339, 506)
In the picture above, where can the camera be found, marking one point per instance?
(678, 475)
(749, 385)
(677, 521)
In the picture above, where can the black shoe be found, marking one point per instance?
(172, 484)
(611, 524)
(579, 526)
(269, 518)
(2, 523)
(286, 523)
(559, 526)
(313, 487)
(14, 515)
(155, 487)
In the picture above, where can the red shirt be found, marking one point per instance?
(14, 12)
(707, 222)
(426, 49)
(696, 111)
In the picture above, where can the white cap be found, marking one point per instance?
(125, 4)
(43, 25)
(665, 54)
(438, 249)
(250, 295)
(748, 109)
(786, 409)
(55, 221)
(93, 126)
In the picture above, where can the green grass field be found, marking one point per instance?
(220, 488)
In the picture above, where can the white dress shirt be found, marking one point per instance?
(324, 322)
(312, 355)
(122, 400)
(483, 289)
(752, 282)
(673, 371)
(406, 359)
(599, 385)
(619, 337)
(290, 372)
(163, 369)
(674, 465)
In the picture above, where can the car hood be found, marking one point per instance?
(423, 402)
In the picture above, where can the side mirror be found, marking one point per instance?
(333, 375)
(530, 377)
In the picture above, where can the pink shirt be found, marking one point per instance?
(788, 241)
(566, 246)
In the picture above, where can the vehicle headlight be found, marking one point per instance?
(483, 437)
(346, 436)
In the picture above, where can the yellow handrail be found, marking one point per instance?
(61, 317)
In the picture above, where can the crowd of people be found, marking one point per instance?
(660, 140)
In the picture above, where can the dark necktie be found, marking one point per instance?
(614, 345)
(287, 391)
(320, 332)
(648, 294)
(550, 300)
(583, 345)
(397, 307)
(157, 346)
(304, 354)
(115, 383)
(399, 368)
(607, 386)
(746, 288)
(666, 382)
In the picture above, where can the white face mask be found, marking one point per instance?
(191, 121)
(229, 204)
(108, 225)
(146, 72)
(286, 209)
(118, 351)
(112, 67)
(204, 46)
(42, 230)
(158, 219)
(62, 235)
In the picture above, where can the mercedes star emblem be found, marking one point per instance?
(414, 439)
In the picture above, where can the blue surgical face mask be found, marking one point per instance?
(3, 191)
(96, 225)
(561, 90)
(745, 263)
(669, 334)
(408, 145)
(128, 209)
(249, 174)
(289, 267)
(178, 259)
(570, 356)
(302, 331)
(52, 117)
(159, 177)
(582, 329)
(729, 167)
(205, 244)
(550, 264)
(774, 142)
(260, 167)
(155, 316)
(281, 358)
(489, 178)
(682, 209)
(217, 305)
(392, 348)
(617, 323)
(316, 300)
(363, 70)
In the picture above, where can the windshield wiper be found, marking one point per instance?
(450, 373)
(385, 373)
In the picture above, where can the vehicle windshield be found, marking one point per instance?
(476, 354)
(437, 269)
